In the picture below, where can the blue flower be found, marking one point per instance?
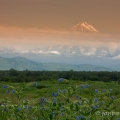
(59, 91)
(103, 102)
(82, 86)
(78, 117)
(93, 107)
(82, 116)
(30, 107)
(7, 91)
(77, 96)
(54, 112)
(53, 99)
(60, 79)
(35, 84)
(54, 94)
(62, 114)
(103, 90)
(43, 100)
(96, 90)
(112, 97)
(41, 108)
(54, 102)
(13, 91)
(97, 106)
(87, 86)
(96, 99)
(25, 107)
(18, 108)
(62, 108)
(64, 90)
(110, 90)
(79, 103)
(4, 109)
(4, 86)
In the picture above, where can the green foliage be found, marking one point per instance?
(32, 76)
(74, 102)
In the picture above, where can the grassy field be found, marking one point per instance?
(52, 86)
(44, 89)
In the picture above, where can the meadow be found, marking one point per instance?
(60, 100)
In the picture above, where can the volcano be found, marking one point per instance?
(84, 27)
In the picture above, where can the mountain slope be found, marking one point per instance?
(84, 27)
(21, 63)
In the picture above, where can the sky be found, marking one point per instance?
(26, 25)
(61, 14)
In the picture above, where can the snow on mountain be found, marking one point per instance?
(57, 50)
(84, 27)
(7, 49)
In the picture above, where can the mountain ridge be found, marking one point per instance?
(21, 63)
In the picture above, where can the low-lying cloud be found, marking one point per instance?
(89, 44)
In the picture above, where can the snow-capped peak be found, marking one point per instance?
(84, 27)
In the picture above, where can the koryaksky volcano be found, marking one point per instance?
(84, 27)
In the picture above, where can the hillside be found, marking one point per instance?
(21, 63)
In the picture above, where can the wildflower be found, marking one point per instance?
(62, 114)
(93, 107)
(79, 103)
(96, 90)
(59, 91)
(41, 108)
(62, 108)
(87, 86)
(4, 86)
(87, 101)
(78, 117)
(54, 112)
(7, 91)
(4, 109)
(103, 90)
(60, 79)
(97, 106)
(82, 116)
(112, 97)
(25, 107)
(64, 90)
(53, 99)
(30, 107)
(54, 102)
(18, 108)
(35, 84)
(13, 91)
(82, 86)
(43, 100)
(77, 96)
(110, 90)
(96, 99)
(54, 94)
(103, 102)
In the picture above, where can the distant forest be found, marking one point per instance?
(13, 75)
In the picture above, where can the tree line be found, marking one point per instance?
(13, 75)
